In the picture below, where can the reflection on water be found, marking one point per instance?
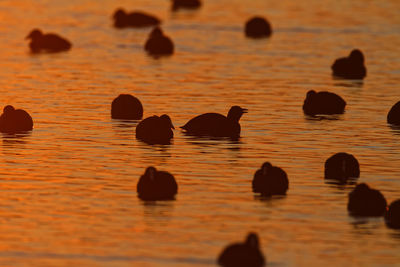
(68, 188)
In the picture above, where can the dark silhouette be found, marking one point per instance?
(342, 166)
(155, 130)
(49, 42)
(258, 27)
(158, 44)
(270, 180)
(157, 185)
(243, 254)
(392, 215)
(136, 19)
(351, 67)
(393, 116)
(216, 125)
(364, 201)
(185, 4)
(126, 107)
(323, 103)
(15, 120)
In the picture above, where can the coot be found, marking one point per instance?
(137, 19)
(156, 185)
(351, 67)
(341, 167)
(258, 27)
(364, 201)
(185, 4)
(155, 130)
(392, 215)
(216, 125)
(243, 254)
(159, 44)
(393, 116)
(270, 180)
(15, 120)
(126, 107)
(323, 103)
(49, 42)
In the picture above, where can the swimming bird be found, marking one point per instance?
(155, 130)
(159, 44)
(351, 67)
(365, 201)
(243, 254)
(258, 27)
(126, 107)
(136, 19)
(270, 180)
(326, 103)
(392, 215)
(49, 42)
(15, 120)
(393, 116)
(216, 125)
(185, 4)
(156, 185)
(342, 166)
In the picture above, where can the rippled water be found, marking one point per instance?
(68, 190)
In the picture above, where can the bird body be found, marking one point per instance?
(158, 44)
(351, 67)
(393, 116)
(392, 215)
(325, 103)
(341, 167)
(365, 201)
(270, 180)
(134, 19)
(243, 254)
(49, 42)
(258, 27)
(155, 130)
(216, 125)
(185, 4)
(126, 107)
(156, 185)
(15, 120)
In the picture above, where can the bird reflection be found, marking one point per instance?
(158, 213)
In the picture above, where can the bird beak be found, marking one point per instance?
(172, 126)
(244, 110)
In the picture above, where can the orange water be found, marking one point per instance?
(68, 190)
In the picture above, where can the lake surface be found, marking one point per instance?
(68, 189)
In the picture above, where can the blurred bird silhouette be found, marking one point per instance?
(126, 107)
(158, 44)
(185, 4)
(155, 130)
(393, 116)
(245, 254)
(392, 215)
(135, 19)
(341, 167)
(270, 180)
(157, 185)
(216, 125)
(50, 42)
(15, 120)
(365, 201)
(351, 67)
(258, 27)
(323, 103)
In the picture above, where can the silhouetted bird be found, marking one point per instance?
(15, 120)
(325, 103)
(185, 4)
(351, 67)
(393, 116)
(243, 254)
(270, 180)
(126, 107)
(258, 27)
(392, 215)
(49, 42)
(342, 166)
(364, 201)
(135, 19)
(158, 44)
(216, 125)
(156, 185)
(155, 130)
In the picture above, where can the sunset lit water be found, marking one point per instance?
(68, 190)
